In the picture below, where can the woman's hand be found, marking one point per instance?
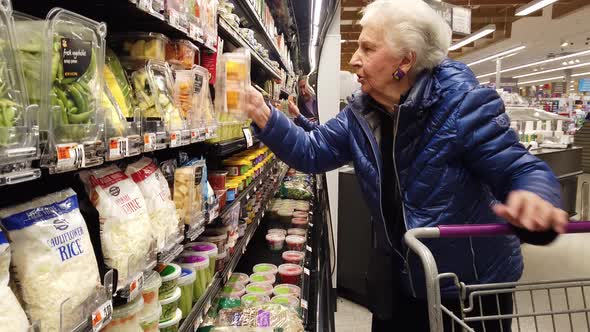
(527, 210)
(256, 108)
(293, 109)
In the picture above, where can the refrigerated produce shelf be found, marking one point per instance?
(226, 148)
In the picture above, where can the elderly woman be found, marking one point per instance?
(430, 147)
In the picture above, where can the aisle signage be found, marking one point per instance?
(584, 85)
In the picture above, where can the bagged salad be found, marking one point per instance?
(162, 211)
(126, 231)
(12, 315)
(52, 257)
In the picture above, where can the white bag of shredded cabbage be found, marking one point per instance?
(125, 228)
(12, 315)
(52, 257)
(156, 193)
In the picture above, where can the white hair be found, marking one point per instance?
(410, 25)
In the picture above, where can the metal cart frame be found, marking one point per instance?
(571, 310)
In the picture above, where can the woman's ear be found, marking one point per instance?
(408, 62)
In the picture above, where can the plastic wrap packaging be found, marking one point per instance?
(187, 196)
(297, 188)
(162, 211)
(234, 82)
(52, 257)
(12, 315)
(264, 315)
(126, 231)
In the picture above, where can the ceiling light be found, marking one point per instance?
(581, 74)
(564, 63)
(542, 80)
(533, 6)
(554, 69)
(497, 55)
(571, 62)
(573, 55)
(565, 44)
(577, 61)
(488, 29)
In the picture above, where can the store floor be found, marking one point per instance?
(564, 259)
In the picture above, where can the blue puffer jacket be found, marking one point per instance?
(455, 156)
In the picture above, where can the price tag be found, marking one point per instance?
(70, 156)
(149, 142)
(262, 214)
(247, 196)
(306, 271)
(118, 147)
(145, 5)
(174, 139)
(194, 135)
(214, 213)
(310, 224)
(304, 304)
(136, 286)
(102, 316)
(308, 248)
(174, 18)
(248, 137)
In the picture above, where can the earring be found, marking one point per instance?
(399, 74)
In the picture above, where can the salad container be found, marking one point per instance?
(139, 46)
(259, 288)
(233, 290)
(239, 278)
(287, 289)
(186, 284)
(207, 248)
(263, 277)
(254, 299)
(149, 292)
(149, 322)
(172, 324)
(170, 305)
(126, 317)
(170, 275)
(265, 268)
(199, 263)
(286, 300)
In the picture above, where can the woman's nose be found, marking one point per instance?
(355, 60)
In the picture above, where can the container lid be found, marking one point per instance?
(278, 231)
(259, 288)
(214, 238)
(187, 276)
(299, 221)
(187, 43)
(290, 269)
(285, 212)
(297, 239)
(297, 231)
(275, 237)
(215, 231)
(204, 247)
(233, 289)
(218, 173)
(152, 281)
(175, 296)
(173, 321)
(253, 299)
(239, 278)
(300, 214)
(287, 300)
(197, 261)
(151, 316)
(128, 309)
(287, 289)
(170, 272)
(263, 277)
(265, 268)
(222, 255)
(293, 254)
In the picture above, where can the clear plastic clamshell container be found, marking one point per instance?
(233, 83)
(139, 46)
(176, 13)
(209, 19)
(184, 94)
(18, 122)
(194, 18)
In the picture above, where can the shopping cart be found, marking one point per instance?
(561, 305)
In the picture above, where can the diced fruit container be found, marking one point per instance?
(126, 317)
(254, 299)
(186, 284)
(293, 257)
(297, 231)
(149, 322)
(277, 231)
(169, 275)
(286, 300)
(172, 324)
(295, 242)
(290, 273)
(299, 223)
(275, 241)
(263, 277)
(265, 268)
(259, 288)
(139, 45)
(208, 248)
(235, 290)
(149, 292)
(198, 262)
(170, 305)
(239, 278)
(287, 289)
(181, 53)
(300, 214)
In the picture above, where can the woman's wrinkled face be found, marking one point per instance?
(374, 62)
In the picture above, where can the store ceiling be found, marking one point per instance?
(484, 12)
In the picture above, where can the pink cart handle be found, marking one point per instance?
(500, 229)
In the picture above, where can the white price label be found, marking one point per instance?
(214, 213)
(310, 225)
(247, 196)
(306, 271)
(304, 304)
(308, 248)
(118, 147)
(145, 5)
(149, 142)
(70, 156)
(174, 18)
(248, 137)
(175, 139)
(262, 214)
(135, 286)
(194, 135)
(102, 316)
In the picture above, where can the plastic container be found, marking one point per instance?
(219, 240)
(259, 288)
(286, 300)
(169, 305)
(235, 290)
(139, 45)
(277, 231)
(232, 191)
(149, 292)
(265, 268)
(285, 215)
(234, 81)
(275, 241)
(198, 262)
(217, 179)
(169, 276)
(299, 223)
(242, 228)
(236, 167)
(181, 53)
(126, 317)
(297, 231)
(254, 299)
(149, 322)
(293, 257)
(300, 214)
(295, 242)
(186, 283)
(263, 277)
(207, 248)
(290, 273)
(239, 278)
(221, 198)
(287, 289)
(221, 260)
(172, 324)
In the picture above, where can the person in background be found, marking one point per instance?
(430, 147)
(308, 105)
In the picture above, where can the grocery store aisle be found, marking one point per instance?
(352, 317)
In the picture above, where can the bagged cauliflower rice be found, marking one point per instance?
(155, 190)
(125, 228)
(53, 258)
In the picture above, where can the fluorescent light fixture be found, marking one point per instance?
(510, 51)
(577, 61)
(554, 69)
(565, 44)
(573, 55)
(488, 29)
(543, 80)
(581, 74)
(533, 6)
(564, 63)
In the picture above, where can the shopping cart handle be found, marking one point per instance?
(500, 229)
